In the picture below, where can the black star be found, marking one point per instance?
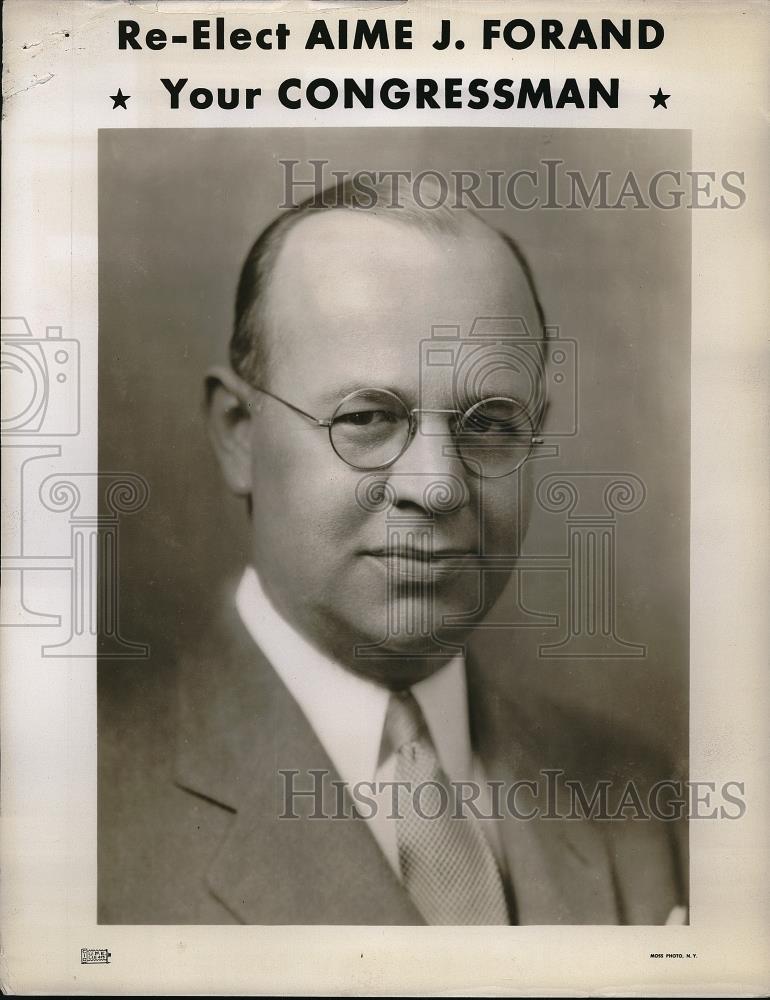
(659, 99)
(119, 100)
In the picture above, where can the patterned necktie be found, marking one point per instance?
(446, 863)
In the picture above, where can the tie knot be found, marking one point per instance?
(404, 721)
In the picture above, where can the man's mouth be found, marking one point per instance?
(423, 564)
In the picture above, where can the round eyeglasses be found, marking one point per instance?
(371, 429)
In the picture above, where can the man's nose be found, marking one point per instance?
(428, 476)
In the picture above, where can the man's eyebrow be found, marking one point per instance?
(338, 393)
(335, 396)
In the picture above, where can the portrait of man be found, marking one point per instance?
(326, 745)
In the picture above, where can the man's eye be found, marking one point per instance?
(499, 418)
(487, 424)
(366, 418)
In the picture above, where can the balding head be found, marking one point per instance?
(346, 300)
(343, 209)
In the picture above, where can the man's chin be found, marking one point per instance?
(399, 668)
(406, 653)
(401, 640)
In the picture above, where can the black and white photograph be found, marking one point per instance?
(403, 624)
(384, 475)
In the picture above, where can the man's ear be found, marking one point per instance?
(228, 416)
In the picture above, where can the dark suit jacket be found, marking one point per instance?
(189, 800)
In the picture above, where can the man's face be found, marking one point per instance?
(351, 297)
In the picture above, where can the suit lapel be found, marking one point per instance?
(239, 729)
(560, 869)
(560, 872)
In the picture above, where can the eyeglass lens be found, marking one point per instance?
(371, 428)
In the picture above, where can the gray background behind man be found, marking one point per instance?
(177, 216)
(455, 279)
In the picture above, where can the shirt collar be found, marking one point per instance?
(347, 711)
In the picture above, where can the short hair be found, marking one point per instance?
(248, 343)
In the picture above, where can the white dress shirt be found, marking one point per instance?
(347, 711)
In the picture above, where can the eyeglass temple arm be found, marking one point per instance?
(303, 413)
